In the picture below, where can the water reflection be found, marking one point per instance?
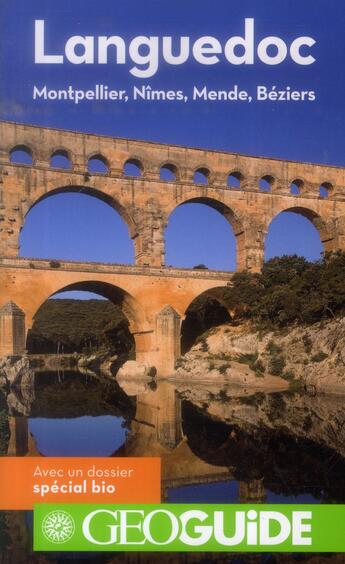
(87, 436)
(215, 445)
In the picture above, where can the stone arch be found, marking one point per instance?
(206, 172)
(90, 191)
(297, 186)
(114, 293)
(131, 308)
(216, 293)
(62, 152)
(114, 203)
(228, 213)
(205, 311)
(136, 162)
(325, 230)
(266, 183)
(101, 159)
(325, 189)
(26, 149)
(168, 165)
(236, 175)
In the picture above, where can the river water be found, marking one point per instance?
(216, 445)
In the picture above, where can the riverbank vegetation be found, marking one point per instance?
(289, 290)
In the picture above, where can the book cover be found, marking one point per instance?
(172, 281)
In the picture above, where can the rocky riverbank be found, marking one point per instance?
(301, 358)
(18, 370)
(310, 357)
(15, 371)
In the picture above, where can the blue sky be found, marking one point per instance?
(62, 226)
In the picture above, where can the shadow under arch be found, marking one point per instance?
(228, 213)
(326, 236)
(93, 192)
(207, 310)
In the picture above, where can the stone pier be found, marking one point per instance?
(12, 330)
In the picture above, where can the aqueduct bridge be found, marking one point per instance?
(154, 298)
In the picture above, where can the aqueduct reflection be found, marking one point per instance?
(254, 439)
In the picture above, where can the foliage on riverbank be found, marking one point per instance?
(290, 290)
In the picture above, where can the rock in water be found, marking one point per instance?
(15, 369)
(134, 369)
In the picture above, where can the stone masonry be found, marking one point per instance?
(145, 203)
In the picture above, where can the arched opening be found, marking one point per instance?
(91, 327)
(202, 176)
(168, 172)
(74, 410)
(60, 159)
(133, 167)
(325, 190)
(97, 164)
(297, 231)
(21, 154)
(97, 317)
(72, 225)
(86, 318)
(205, 312)
(235, 180)
(296, 187)
(266, 183)
(203, 234)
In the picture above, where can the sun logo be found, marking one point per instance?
(58, 527)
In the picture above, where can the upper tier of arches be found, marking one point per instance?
(134, 166)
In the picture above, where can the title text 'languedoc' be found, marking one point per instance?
(146, 52)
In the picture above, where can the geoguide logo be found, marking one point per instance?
(188, 528)
(58, 527)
